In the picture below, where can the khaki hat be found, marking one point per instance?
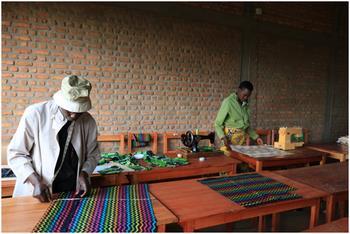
(74, 94)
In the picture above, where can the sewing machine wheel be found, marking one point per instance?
(187, 139)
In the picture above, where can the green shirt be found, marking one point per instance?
(233, 115)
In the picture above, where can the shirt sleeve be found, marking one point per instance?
(252, 134)
(18, 151)
(220, 119)
(93, 152)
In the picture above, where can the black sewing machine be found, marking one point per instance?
(191, 140)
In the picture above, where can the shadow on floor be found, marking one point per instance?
(290, 221)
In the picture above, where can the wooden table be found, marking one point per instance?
(215, 163)
(331, 178)
(340, 225)
(21, 214)
(197, 206)
(333, 150)
(300, 155)
(7, 187)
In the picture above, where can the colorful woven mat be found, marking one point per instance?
(140, 140)
(111, 209)
(250, 190)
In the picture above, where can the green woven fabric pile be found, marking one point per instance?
(129, 161)
(123, 159)
(162, 160)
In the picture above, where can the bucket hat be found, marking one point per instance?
(74, 95)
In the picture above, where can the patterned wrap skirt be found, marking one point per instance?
(236, 136)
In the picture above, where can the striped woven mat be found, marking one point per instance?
(111, 209)
(251, 190)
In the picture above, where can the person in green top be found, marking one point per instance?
(232, 124)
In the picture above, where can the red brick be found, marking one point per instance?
(20, 89)
(40, 64)
(21, 25)
(39, 89)
(92, 68)
(77, 67)
(43, 52)
(22, 38)
(6, 75)
(23, 76)
(59, 66)
(40, 27)
(22, 51)
(6, 50)
(24, 63)
(9, 62)
(6, 36)
(42, 76)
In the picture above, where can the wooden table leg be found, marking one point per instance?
(323, 161)
(329, 208)
(275, 222)
(341, 207)
(161, 228)
(187, 226)
(261, 226)
(314, 214)
(132, 179)
(342, 158)
(258, 166)
(234, 170)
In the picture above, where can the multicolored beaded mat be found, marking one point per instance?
(250, 190)
(111, 209)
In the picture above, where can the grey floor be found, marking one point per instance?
(291, 221)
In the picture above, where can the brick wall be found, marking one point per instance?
(148, 73)
(291, 91)
(151, 72)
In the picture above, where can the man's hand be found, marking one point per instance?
(83, 185)
(226, 143)
(41, 191)
(259, 141)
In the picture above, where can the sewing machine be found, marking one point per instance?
(191, 140)
(289, 138)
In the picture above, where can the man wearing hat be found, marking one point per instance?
(55, 146)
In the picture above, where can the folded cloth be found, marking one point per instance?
(141, 140)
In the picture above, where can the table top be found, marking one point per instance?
(340, 225)
(211, 160)
(21, 214)
(331, 148)
(300, 152)
(332, 177)
(191, 200)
